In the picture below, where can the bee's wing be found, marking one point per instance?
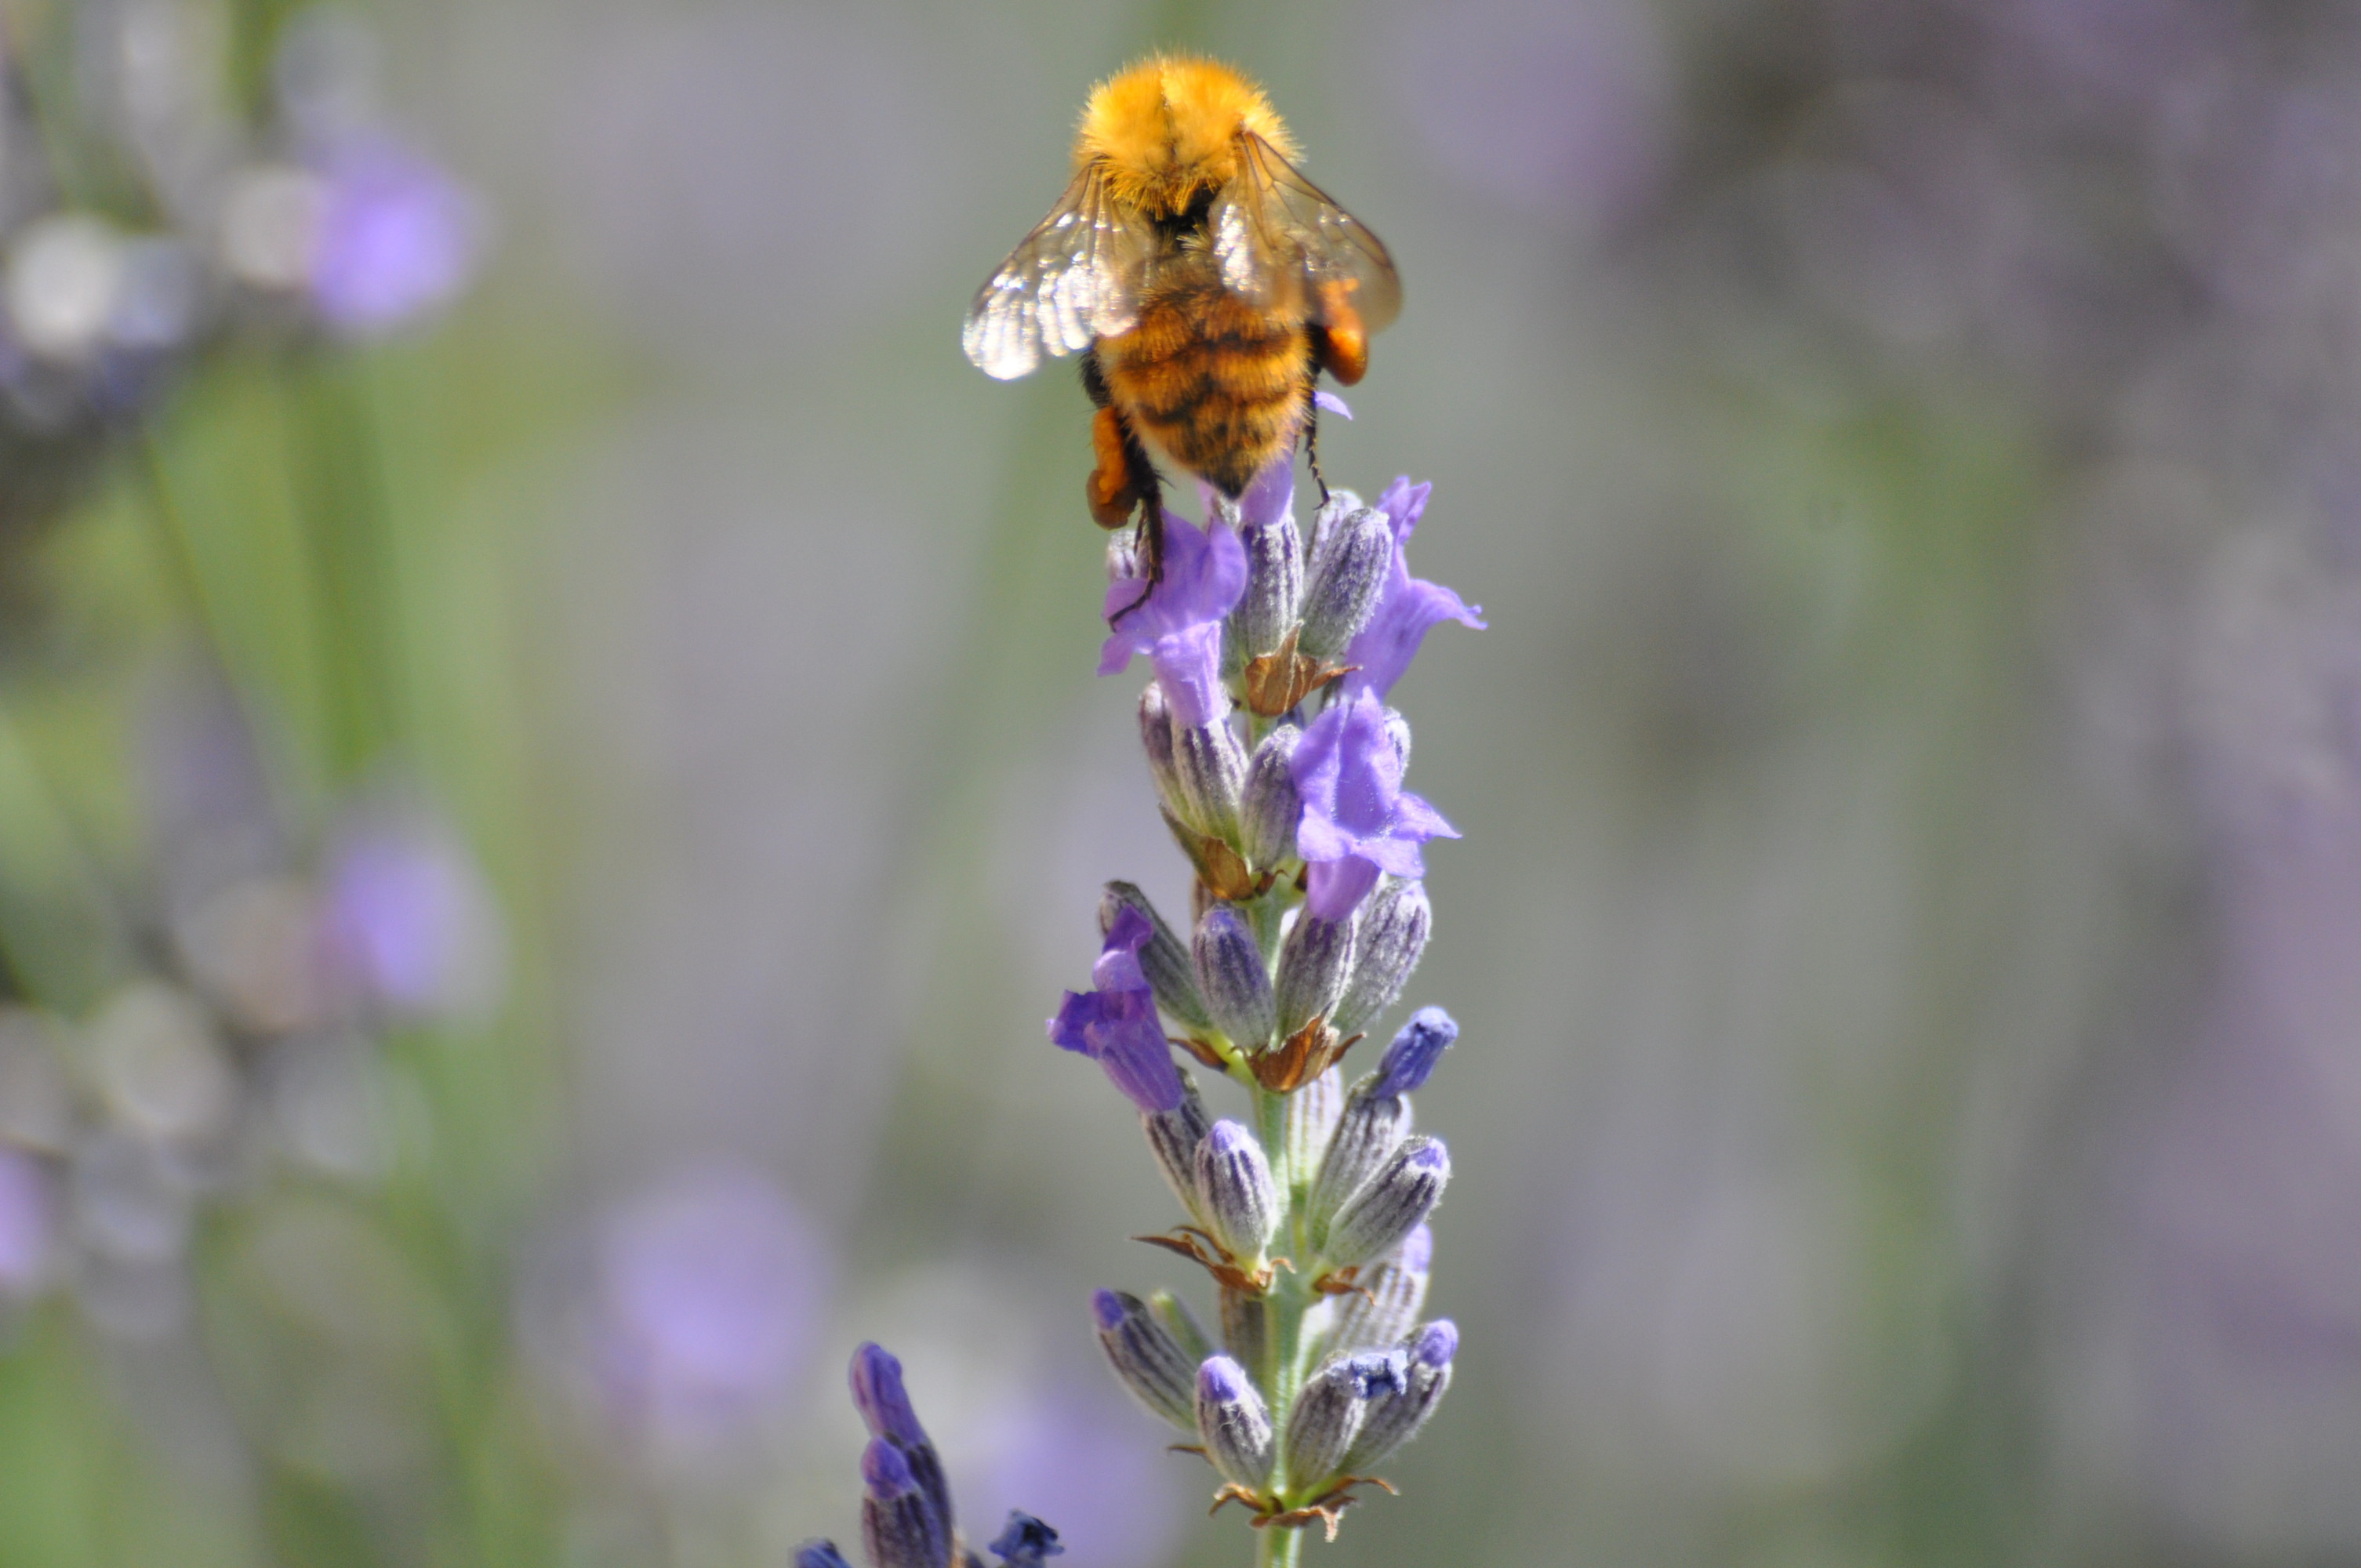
(1074, 278)
(1278, 238)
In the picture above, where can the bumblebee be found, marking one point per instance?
(1204, 282)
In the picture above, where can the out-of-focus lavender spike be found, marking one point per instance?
(1025, 1542)
(820, 1554)
(885, 1405)
(900, 1525)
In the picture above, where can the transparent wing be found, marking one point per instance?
(1279, 240)
(1074, 278)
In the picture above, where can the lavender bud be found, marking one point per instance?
(1381, 1216)
(1182, 1324)
(1161, 958)
(1411, 1059)
(1274, 589)
(1314, 963)
(1346, 583)
(1394, 1419)
(820, 1554)
(1367, 1136)
(899, 1526)
(1340, 505)
(1232, 980)
(1235, 1192)
(1329, 1412)
(1027, 1542)
(1397, 731)
(1395, 921)
(1173, 1136)
(1271, 806)
(1232, 1422)
(1312, 1113)
(1156, 737)
(1396, 1293)
(1146, 1358)
(885, 1405)
(1246, 1325)
(1213, 769)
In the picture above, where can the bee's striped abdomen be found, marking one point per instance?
(1219, 384)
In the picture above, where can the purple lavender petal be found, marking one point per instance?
(1334, 889)
(1116, 1024)
(1349, 775)
(1383, 648)
(1330, 402)
(1204, 575)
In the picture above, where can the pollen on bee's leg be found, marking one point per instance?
(1112, 488)
(1341, 348)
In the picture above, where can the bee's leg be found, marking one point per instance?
(1123, 483)
(1311, 436)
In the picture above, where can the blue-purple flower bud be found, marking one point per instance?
(1371, 1128)
(1328, 1414)
(1395, 1294)
(1381, 1216)
(1313, 963)
(1172, 1137)
(820, 1554)
(1395, 922)
(1162, 957)
(1155, 738)
(1246, 1325)
(1355, 553)
(1232, 1422)
(1410, 1059)
(1235, 1193)
(885, 1405)
(1027, 1542)
(1182, 1324)
(1274, 589)
(899, 1525)
(1340, 505)
(1146, 1358)
(1211, 767)
(1271, 806)
(1394, 1419)
(1231, 978)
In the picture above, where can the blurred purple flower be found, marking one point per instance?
(1082, 1459)
(408, 920)
(397, 236)
(1408, 605)
(709, 1291)
(1180, 625)
(1116, 1025)
(27, 1224)
(1357, 819)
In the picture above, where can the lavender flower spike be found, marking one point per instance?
(1357, 819)
(1384, 647)
(1179, 626)
(1116, 1025)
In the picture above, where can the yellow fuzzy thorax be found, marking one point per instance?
(1168, 127)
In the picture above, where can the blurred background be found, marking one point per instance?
(550, 772)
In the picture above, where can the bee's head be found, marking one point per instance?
(1167, 131)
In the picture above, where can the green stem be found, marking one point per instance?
(1278, 1547)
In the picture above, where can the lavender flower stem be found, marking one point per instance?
(1288, 1301)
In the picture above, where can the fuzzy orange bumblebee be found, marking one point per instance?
(1206, 284)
